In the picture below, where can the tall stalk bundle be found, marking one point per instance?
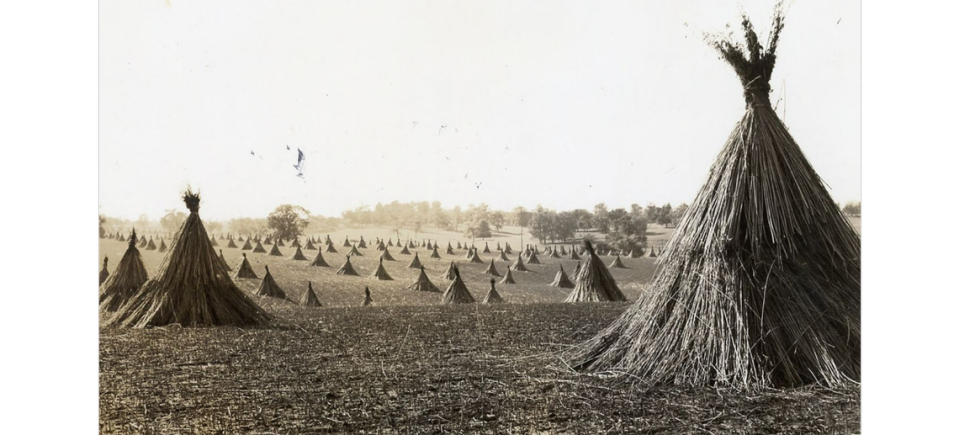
(573, 255)
(436, 252)
(449, 249)
(259, 249)
(380, 246)
(309, 298)
(759, 284)
(498, 247)
(458, 245)
(617, 263)
(346, 243)
(328, 240)
(298, 255)
(275, 250)
(347, 268)
(491, 270)
(553, 253)
(518, 264)
(562, 280)
(476, 258)
(386, 255)
(362, 244)
(309, 246)
(213, 242)
(318, 260)
(191, 287)
(508, 249)
(532, 259)
(450, 273)
(230, 244)
(121, 238)
(429, 246)
(493, 297)
(457, 293)
(279, 242)
(103, 272)
(162, 247)
(380, 273)
(423, 283)
(502, 256)
(296, 243)
(354, 252)
(415, 264)
(244, 270)
(390, 242)
(240, 238)
(268, 240)
(150, 245)
(116, 289)
(652, 253)
(508, 279)
(143, 243)
(594, 283)
(486, 248)
(269, 287)
(330, 249)
(406, 249)
(247, 246)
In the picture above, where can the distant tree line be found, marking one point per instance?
(852, 209)
(624, 229)
(285, 221)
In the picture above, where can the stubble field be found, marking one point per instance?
(410, 365)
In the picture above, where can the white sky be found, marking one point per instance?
(564, 104)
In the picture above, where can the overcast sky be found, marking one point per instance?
(564, 104)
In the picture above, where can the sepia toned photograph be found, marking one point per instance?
(492, 217)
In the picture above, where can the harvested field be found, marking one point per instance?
(412, 365)
(415, 369)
